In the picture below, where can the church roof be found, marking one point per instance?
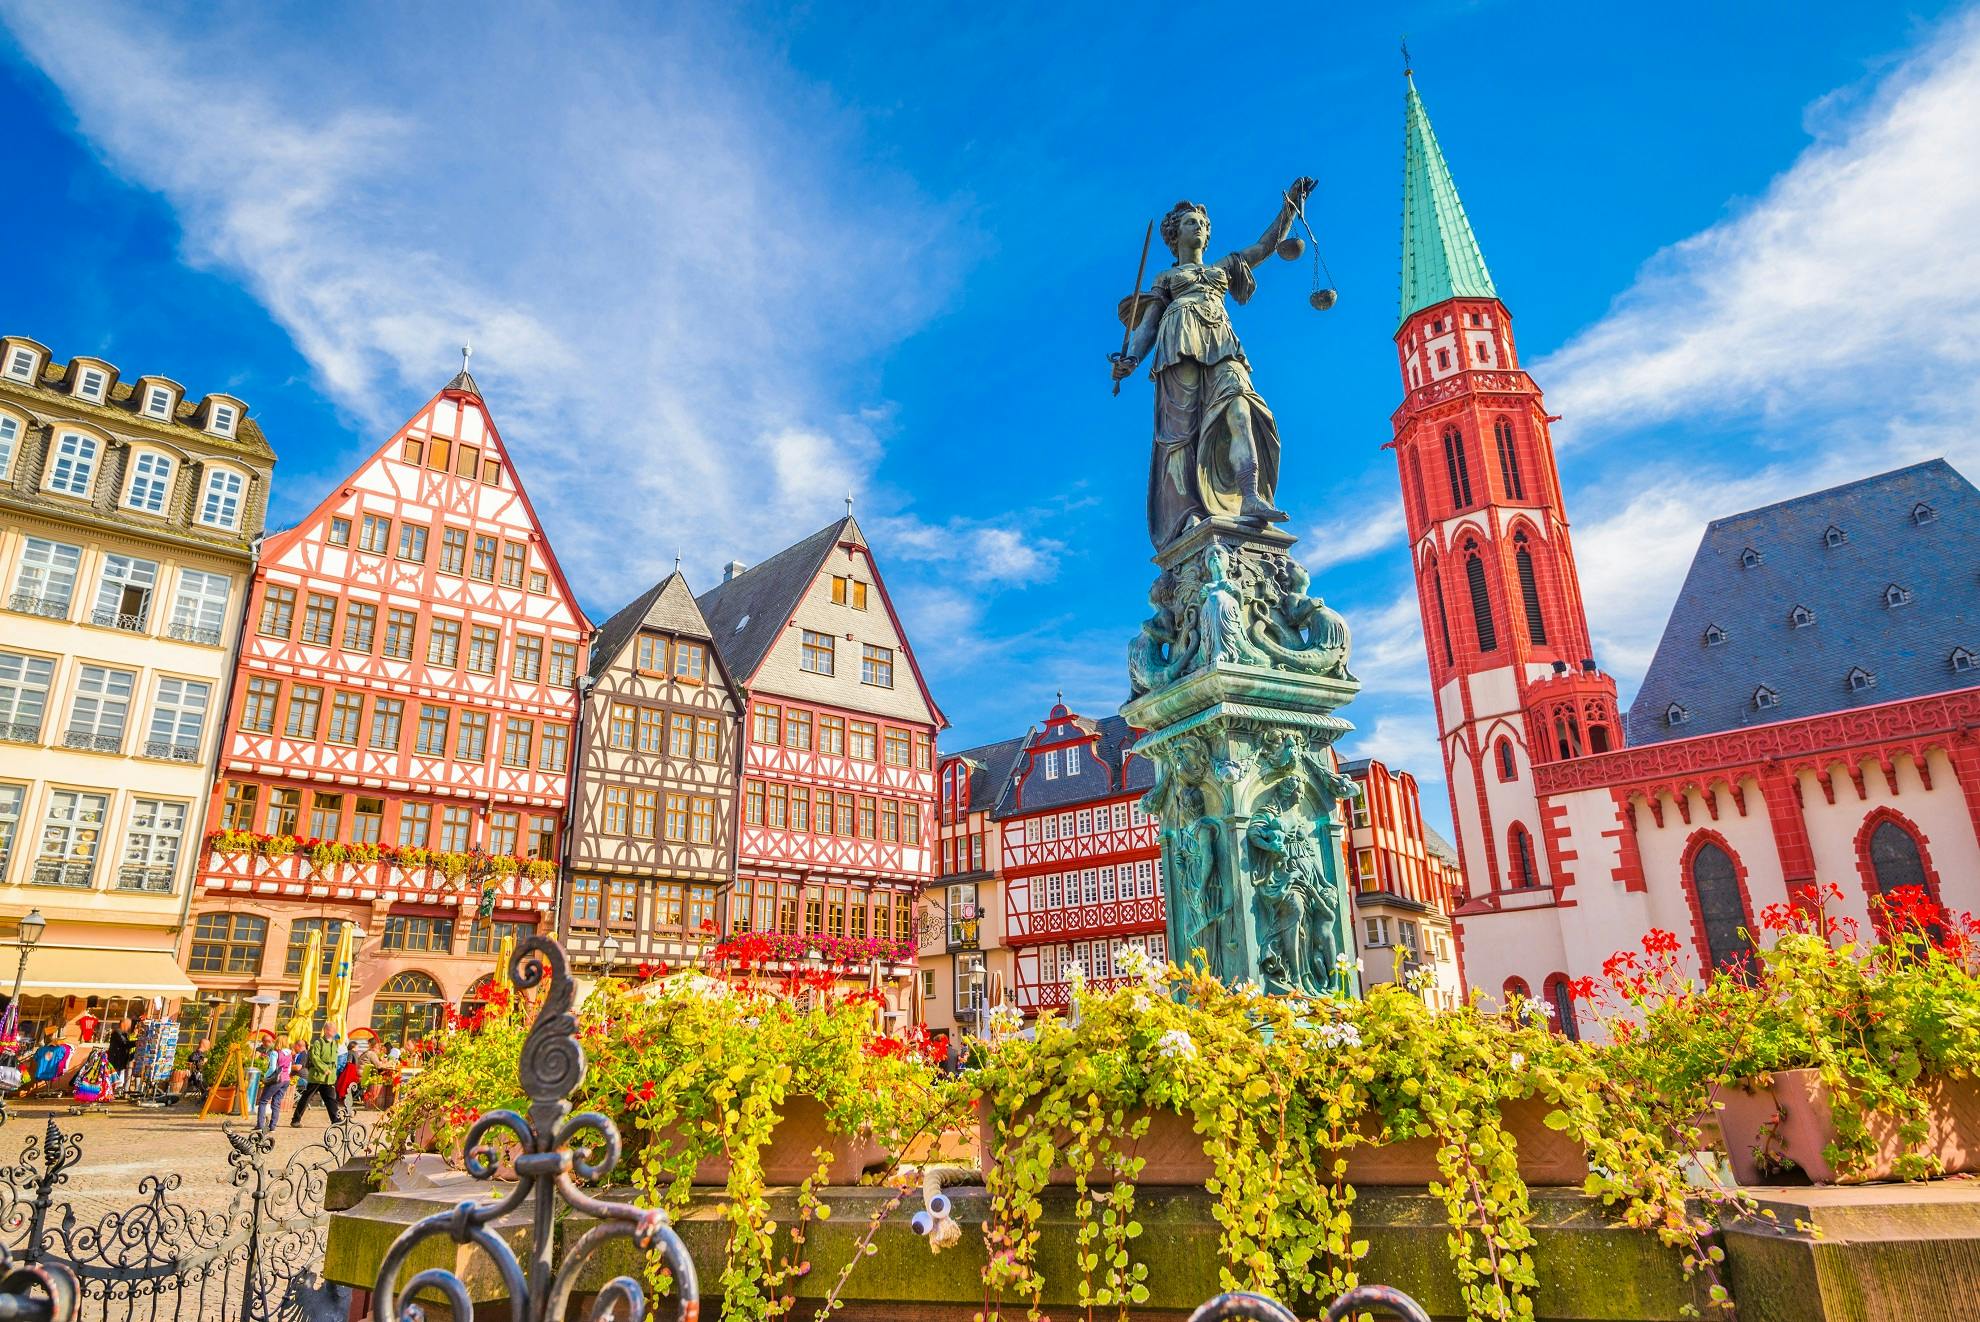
(1440, 255)
(748, 612)
(1858, 595)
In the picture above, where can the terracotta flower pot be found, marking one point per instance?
(787, 1157)
(1806, 1126)
(1174, 1155)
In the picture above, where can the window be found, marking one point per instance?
(876, 666)
(1962, 660)
(815, 652)
(300, 930)
(539, 582)
(797, 728)
(432, 738)
(387, 717)
(1481, 601)
(471, 739)
(1721, 907)
(622, 905)
(868, 819)
(924, 752)
(407, 1008)
(123, 597)
(847, 591)
(340, 532)
(73, 464)
(645, 813)
(701, 820)
(542, 841)
(69, 835)
(652, 655)
(1529, 590)
(585, 901)
(554, 749)
(677, 817)
(102, 705)
(151, 482)
(526, 660)
(305, 706)
(1675, 714)
(1714, 636)
(1764, 697)
(766, 724)
(1509, 475)
(157, 402)
(412, 450)
(484, 649)
(360, 626)
(653, 730)
(517, 735)
(1749, 559)
(453, 550)
(515, 564)
(220, 507)
(1800, 618)
(1508, 768)
(563, 664)
(412, 543)
(620, 730)
(1455, 465)
(178, 718)
(21, 364)
(47, 580)
(467, 458)
(1895, 596)
(456, 828)
(10, 435)
(319, 619)
(258, 706)
(151, 848)
(443, 644)
(24, 682)
(375, 534)
(864, 739)
(223, 419)
(1834, 536)
(910, 824)
(690, 661)
(1923, 513)
(1519, 854)
(707, 739)
(326, 816)
(368, 821)
(1072, 760)
(1896, 860)
(278, 611)
(400, 628)
(832, 735)
(415, 824)
(1052, 764)
(227, 943)
(800, 808)
(1861, 680)
(199, 611)
(1443, 358)
(483, 565)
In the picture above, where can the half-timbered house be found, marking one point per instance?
(964, 958)
(399, 739)
(1406, 884)
(837, 832)
(653, 812)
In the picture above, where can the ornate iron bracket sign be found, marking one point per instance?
(1257, 1308)
(549, 1171)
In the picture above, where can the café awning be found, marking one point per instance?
(87, 971)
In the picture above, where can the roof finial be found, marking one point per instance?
(677, 562)
(1062, 697)
(849, 502)
(1407, 71)
(467, 352)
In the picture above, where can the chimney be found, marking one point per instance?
(733, 568)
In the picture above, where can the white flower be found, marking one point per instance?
(1247, 988)
(1516, 1061)
(1536, 1012)
(1177, 1044)
(1419, 977)
(1336, 1035)
(1075, 973)
(1006, 1019)
(1141, 1004)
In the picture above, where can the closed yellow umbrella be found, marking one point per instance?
(503, 955)
(300, 1026)
(340, 981)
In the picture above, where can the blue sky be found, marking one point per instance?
(720, 267)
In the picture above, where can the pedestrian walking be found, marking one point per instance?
(320, 1065)
(350, 1068)
(274, 1086)
(121, 1049)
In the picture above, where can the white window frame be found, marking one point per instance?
(72, 462)
(120, 576)
(13, 802)
(178, 718)
(153, 470)
(223, 418)
(151, 846)
(85, 390)
(45, 568)
(23, 364)
(100, 708)
(74, 820)
(25, 683)
(1072, 760)
(154, 395)
(214, 497)
(199, 614)
(12, 428)
(1052, 764)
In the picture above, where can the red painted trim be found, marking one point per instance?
(1629, 855)
(1698, 840)
(1867, 873)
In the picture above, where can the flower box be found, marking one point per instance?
(788, 1158)
(1806, 1126)
(1174, 1157)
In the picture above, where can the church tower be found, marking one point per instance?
(1510, 658)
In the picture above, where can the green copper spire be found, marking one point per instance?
(1440, 256)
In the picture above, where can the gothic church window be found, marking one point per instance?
(1508, 767)
(1509, 474)
(1721, 908)
(1529, 590)
(1481, 600)
(1443, 616)
(1896, 860)
(1456, 466)
(1519, 852)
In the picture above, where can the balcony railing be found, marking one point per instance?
(33, 603)
(171, 750)
(513, 891)
(20, 732)
(145, 877)
(115, 619)
(51, 872)
(91, 741)
(192, 633)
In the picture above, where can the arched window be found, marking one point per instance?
(1896, 860)
(1443, 616)
(1516, 987)
(1529, 589)
(477, 995)
(1508, 768)
(406, 1009)
(1567, 732)
(1454, 462)
(1502, 430)
(1519, 858)
(1721, 908)
(1416, 481)
(1481, 600)
(1561, 997)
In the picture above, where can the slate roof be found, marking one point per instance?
(667, 606)
(1885, 542)
(1098, 777)
(991, 766)
(746, 614)
(1439, 846)
(1440, 258)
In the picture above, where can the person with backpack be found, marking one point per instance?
(320, 1079)
(281, 1063)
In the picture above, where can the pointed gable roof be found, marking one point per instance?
(668, 606)
(1851, 622)
(992, 767)
(746, 613)
(1440, 255)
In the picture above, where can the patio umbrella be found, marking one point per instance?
(503, 955)
(299, 1029)
(340, 981)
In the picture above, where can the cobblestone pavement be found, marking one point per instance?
(124, 1142)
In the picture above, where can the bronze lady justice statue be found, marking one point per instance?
(1216, 445)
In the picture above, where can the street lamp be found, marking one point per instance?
(27, 937)
(608, 954)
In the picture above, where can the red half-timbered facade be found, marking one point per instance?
(1082, 875)
(399, 733)
(837, 805)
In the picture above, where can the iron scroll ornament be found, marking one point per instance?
(1240, 1304)
(549, 1169)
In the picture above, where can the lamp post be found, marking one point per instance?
(27, 937)
(608, 954)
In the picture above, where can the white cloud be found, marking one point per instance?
(1379, 527)
(1003, 554)
(671, 254)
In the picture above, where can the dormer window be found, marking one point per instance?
(21, 364)
(1072, 760)
(1714, 636)
(1801, 617)
(91, 383)
(1764, 697)
(1834, 536)
(151, 482)
(1895, 596)
(224, 418)
(10, 440)
(75, 464)
(1749, 559)
(220, 505)
(158, 403)
(1861, 680)
(1923, 513)
(1675, 714)
(1964, 661)
(1052, 765)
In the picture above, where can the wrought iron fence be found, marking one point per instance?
(164, 1258)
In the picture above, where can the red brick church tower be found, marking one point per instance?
(1503, 622)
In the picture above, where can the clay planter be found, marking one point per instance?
(1175, 1157)
(787, 1157)
(1807, 1125)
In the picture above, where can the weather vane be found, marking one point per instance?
(1407, 70)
